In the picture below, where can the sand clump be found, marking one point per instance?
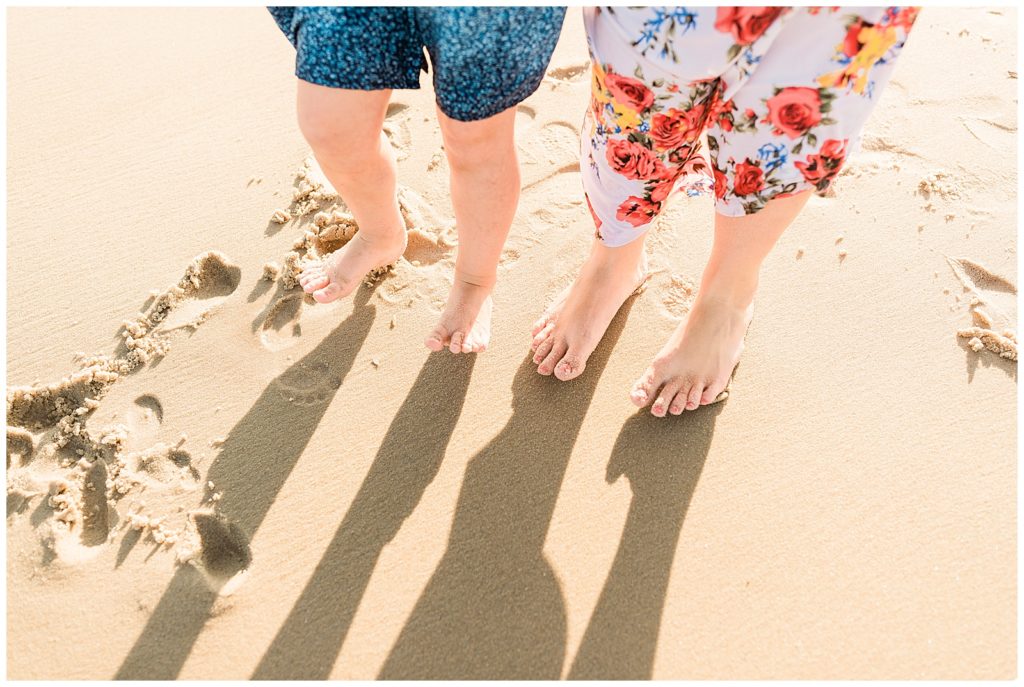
(992, 303)
(939, 184)
(83, 470)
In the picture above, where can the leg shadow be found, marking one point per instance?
(308, 643)
(280, 424)
(493, 609)
(662, 458)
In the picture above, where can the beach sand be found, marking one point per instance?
(295, 490)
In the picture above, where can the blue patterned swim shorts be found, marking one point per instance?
(485, 59)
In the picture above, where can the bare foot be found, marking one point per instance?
(695, 364)
(569, 331)
(341, 272)
(465, 324)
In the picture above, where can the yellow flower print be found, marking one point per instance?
(875, 41)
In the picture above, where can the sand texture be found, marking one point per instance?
(211, 476)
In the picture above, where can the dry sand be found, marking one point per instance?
(211, 477)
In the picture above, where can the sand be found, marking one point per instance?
(210, 476)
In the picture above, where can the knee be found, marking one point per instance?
(336, 139)
(471, 145)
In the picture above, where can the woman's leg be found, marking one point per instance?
(696, 362)
(778, 134)
(344, 129)
(485, 192)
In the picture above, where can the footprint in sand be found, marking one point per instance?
(677, 296)
(396, 128)
(571, 73)
(431, 237)
(280, 328)
(96, 511)
(20, 447)
(992, 300)
(143, 419)
(548, 151)
(223, 547)
(307, 384)
(210, 279)
(162, 467)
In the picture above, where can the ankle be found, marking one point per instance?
(734, 290)
(621, 258)
(382, 237)
(480, 279)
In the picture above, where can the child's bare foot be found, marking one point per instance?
(341, 272)
(465, 324)
(569, 331)
(695, 364)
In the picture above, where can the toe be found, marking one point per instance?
(542, 334)
(641, 393)
(693, 396)
(330, 292)
(661, 403)
(543, 349)
(547, 365)
(570, 366)
(711, 393)
(456, 345)
(541, 322)
(437, 339)
(678, 404)
(313, 282)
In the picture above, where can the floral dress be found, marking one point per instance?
(780, 93)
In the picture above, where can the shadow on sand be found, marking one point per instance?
(662, 458)
(409, 458)
(493, 608)
(277, 426)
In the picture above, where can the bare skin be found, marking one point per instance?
(569, 331)
(356, 157)
(485, 192)
(351, 150)
(695, 364)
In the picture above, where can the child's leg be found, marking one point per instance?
(344, 129)
(696, 362)
(485, 191)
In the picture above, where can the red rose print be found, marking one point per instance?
(720, 111)
(851, 46)
(748, 178)
(629, 92)
(749, 113)
(721, 182)
(661, 190)
(813, 169)
(794, 110)
(746, 24)
(637, 211)
(675, 127)
(833, 149)
(632, 160)
(818, 169)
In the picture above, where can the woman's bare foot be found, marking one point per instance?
(569, 331)
(465, 324)
(341, 272)
(695, 364)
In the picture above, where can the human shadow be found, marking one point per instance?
(279, 424)
(493, 608)
(308, 644)
(662, 458)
